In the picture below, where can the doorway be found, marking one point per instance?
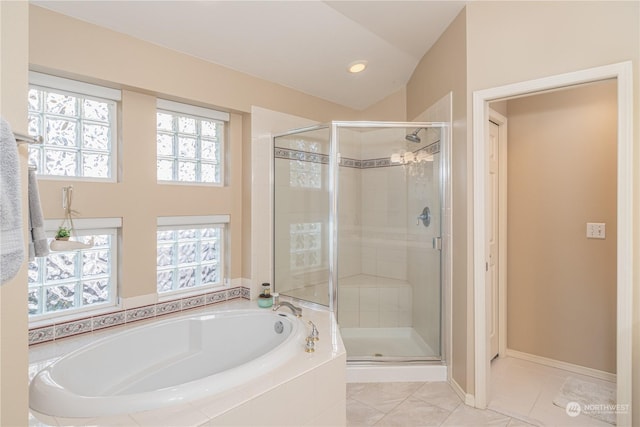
(561, 166)
(622, 74)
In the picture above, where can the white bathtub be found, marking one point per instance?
(165, 363)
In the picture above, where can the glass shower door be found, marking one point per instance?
(389, 208)
(358, 227)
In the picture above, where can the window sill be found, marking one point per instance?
(179, 294)
(192, 184)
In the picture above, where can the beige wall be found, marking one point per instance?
(14, 18)
(391, 108)
(65, 45)
(561, 286)
(443, 70)
(152, 70)
(516, 41)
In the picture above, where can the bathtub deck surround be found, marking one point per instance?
(308, 389)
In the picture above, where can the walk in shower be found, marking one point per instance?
(357, 227)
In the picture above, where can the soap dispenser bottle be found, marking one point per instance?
(264, 299)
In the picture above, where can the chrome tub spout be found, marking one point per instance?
(277, 304)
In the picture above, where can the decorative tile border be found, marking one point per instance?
(377, 163)
(302, 156)
(140, 313)
(103, 321)
(168, 307)
(351, 163)
(215, 297)
(246, 293)
(234, 293)
(305, 156)
(432, 148)
(71, 328)
(107, 320)
(41, 334)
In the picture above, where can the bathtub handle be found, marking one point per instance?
(314, 331)
(311, 345)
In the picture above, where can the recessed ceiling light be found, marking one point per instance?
(357, 67)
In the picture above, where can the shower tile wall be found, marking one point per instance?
(373, 290)
(349, 220)
(372, 302)
(384, 223)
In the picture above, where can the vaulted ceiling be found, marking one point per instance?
(304, 45)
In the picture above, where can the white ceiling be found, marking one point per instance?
(304, 45)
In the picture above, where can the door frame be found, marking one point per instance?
(622, 72)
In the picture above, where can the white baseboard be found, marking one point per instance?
(582, 370)
(468, 399)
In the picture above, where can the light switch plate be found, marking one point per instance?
(596, 230)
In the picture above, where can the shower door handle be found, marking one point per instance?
(437, 243)
(425, 217)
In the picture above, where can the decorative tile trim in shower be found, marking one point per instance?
(350, 163)
(305, 156)
(431, 148)
(103, 321)
(377, 163)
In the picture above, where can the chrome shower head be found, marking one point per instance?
(413, 137)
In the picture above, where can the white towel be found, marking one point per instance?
(11, 240)
(38, 245)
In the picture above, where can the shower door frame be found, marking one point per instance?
(445, 216)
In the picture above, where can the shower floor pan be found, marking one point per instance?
(371, 344)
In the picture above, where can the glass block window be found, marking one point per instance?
(79, 132)
(190, 257)
(66, 282)
(305, 245)
(190, 148)
(306, 173)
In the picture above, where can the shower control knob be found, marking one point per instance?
(425, 217)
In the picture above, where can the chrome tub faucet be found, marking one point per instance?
(277, 304)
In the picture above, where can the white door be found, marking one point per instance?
(492, 216)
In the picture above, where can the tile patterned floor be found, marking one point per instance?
(415, 404)
(527, 389)
(522, 395)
